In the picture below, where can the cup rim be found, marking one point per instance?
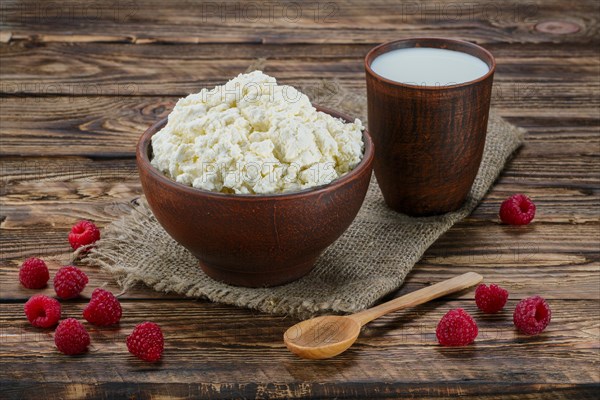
(377, 51)
(144, 143)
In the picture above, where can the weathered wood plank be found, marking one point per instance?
(109, 69)
(562, 277)
(283, 22)
(561, 273)
(110, 126)
(116, 120)
(102, 197)
(89, 53)
(305, 390)
(226, 345)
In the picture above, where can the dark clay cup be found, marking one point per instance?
(254, 240)
(429, 139)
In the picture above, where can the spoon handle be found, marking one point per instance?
(417, 297)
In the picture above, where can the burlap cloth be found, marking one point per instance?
(369, 260)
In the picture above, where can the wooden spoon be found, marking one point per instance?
(329, 335)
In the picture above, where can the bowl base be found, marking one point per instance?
(258, 279)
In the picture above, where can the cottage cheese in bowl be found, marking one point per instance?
(252, 136)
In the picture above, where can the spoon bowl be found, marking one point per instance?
(329, 335)
(322, 337)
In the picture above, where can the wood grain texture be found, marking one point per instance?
(91, 69)
(108, 126)
(204, 335)
(283, 22)
(372, 390)
(79, 82)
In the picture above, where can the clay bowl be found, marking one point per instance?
(254, 240)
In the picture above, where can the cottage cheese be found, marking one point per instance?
(252, 136)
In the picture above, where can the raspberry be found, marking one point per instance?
(71, 337)
(34, 273)
(83, 233)
(532, 315)
(103, 309)
(146, 341)
(69, 281)
(456, 328)
(42, 311)
(517, 210)
(490, 299)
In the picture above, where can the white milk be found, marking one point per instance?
(424, 66)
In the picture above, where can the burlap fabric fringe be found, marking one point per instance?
(370, 260)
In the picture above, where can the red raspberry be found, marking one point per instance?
(532, 315)
(69, 281)
(490, 299)
(34, 273)
(456, 328)
(146, 341)
(83, 233)
(42, 311)
(517, 210)
(103, 309)
(71, 337)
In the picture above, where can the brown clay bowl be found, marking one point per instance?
(254, 240)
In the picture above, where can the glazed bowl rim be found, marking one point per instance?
(145, 141)
(391, 45)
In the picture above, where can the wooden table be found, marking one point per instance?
(81, 81)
